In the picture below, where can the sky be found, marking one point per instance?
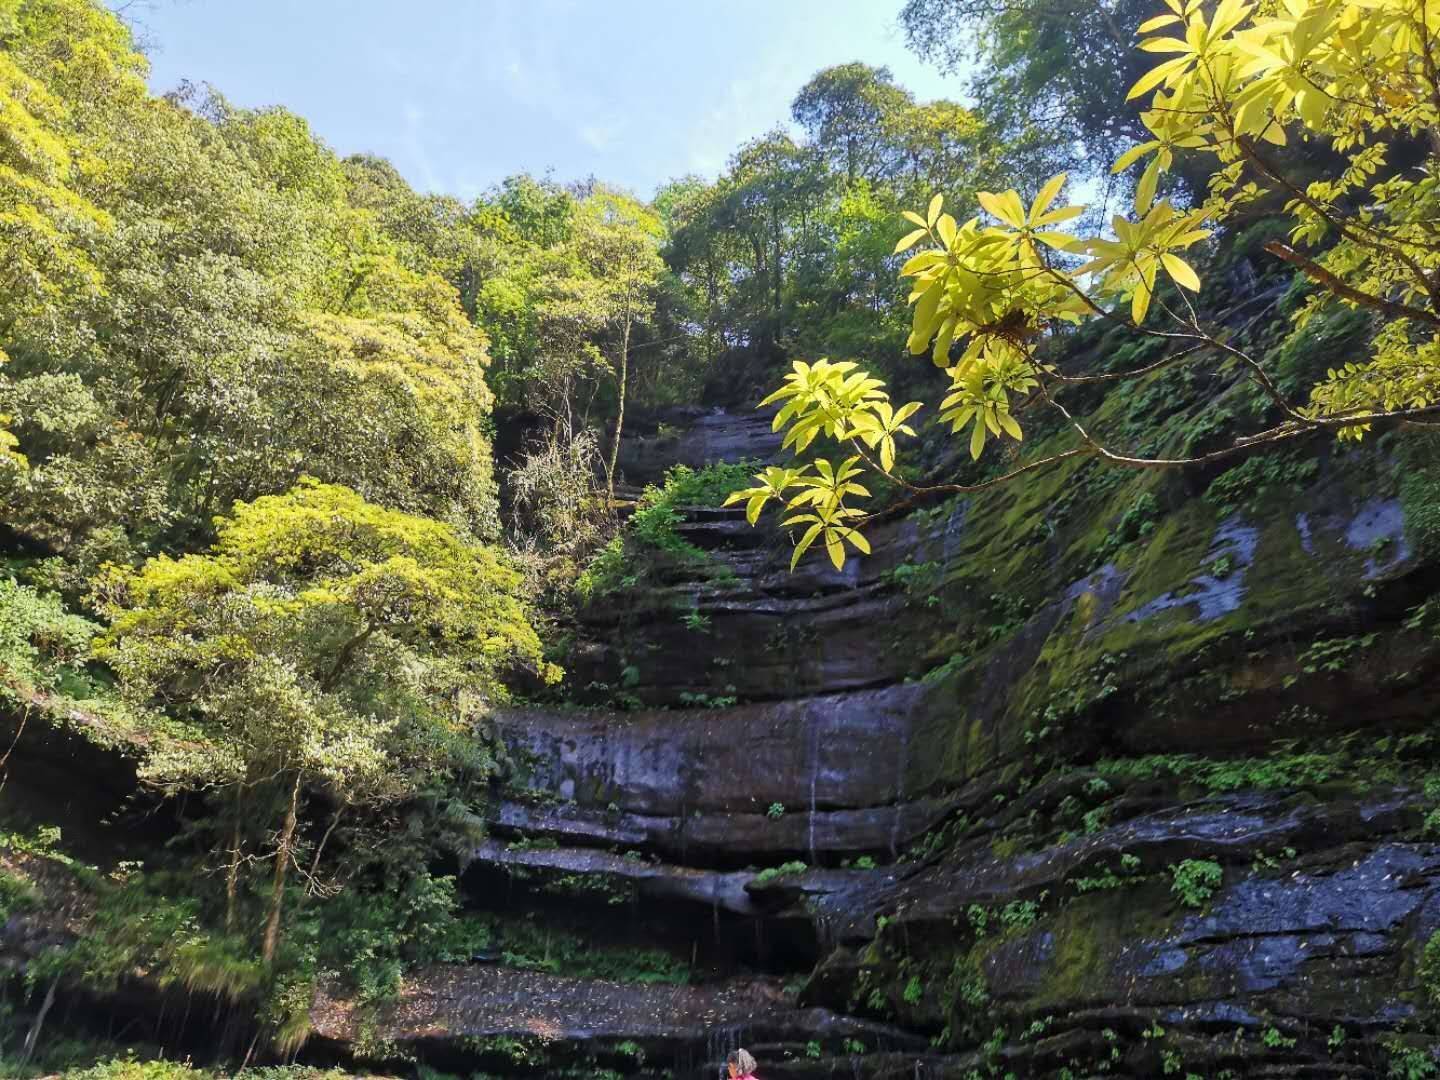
(461, 93)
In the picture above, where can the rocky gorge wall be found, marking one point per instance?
(1103, 773)
(1091, 775)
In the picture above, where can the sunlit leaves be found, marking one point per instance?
(878, 425)
(842, 404)
(980, 395)
(1232, 80)
(774, 482)
(1355, 73)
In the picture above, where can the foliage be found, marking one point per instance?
(149, 924)
(555, 498)
(651, 533)
(1241, 81)
(197, 312)
(525, 944)
(1049, 74)
(772, 874)
(40, 642)
(1257, 480)
(16, 894)
(1194, 880)
(1428, 970)
(323, 642)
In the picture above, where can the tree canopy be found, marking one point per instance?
(1240, 81)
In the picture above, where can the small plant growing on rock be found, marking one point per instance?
(772, 874)
(1195, 880)
(914, 991)
(776, 811)
(1276, 1041)
(1429, 970)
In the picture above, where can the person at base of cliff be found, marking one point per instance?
(740, 1065)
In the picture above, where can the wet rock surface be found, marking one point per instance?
(480, 1013)
(918, 750)
(1031, 791)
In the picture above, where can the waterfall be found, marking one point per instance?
(902, 767)
(812, 737)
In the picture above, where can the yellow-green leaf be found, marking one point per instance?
(1181, 271)
(1046, 196)
(1157, 22)
(910, 240)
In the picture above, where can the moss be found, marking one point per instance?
(1073, 974)
(1419, 465)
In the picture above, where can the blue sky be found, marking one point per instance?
(460, 93)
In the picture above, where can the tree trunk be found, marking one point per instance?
(282, 866)
(232, 873)
(32, 1039)
(778, 279)
(620, 406)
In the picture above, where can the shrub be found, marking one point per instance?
(1195, 880)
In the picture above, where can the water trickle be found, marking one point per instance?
(954, 529)
(812, 738)
(902, 767)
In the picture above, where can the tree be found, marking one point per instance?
(1359, 76)
(196, 313)
(618, 239)
(847, 111)
(1048, 71)
(323, 643)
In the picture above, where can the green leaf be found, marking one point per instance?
(1006, 207)
(1181, 271)
(1134, 154)
(1157, 22)
(1140, 303)
(910, 240)
(1145, 190)
(1046, 196)
(805, 542)
(977, 438)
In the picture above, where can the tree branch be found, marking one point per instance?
(1318, 274)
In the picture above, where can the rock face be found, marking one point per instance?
(1100, 774)
(1073, 778)
(505, 1018)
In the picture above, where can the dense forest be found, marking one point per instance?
(339, 520)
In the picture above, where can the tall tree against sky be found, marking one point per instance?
(846, 112)
(619, 238)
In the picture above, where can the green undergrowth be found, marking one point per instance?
(770, 875)
(651, 537)
(1357, 761)
(533, 945)
(47, 671)
(133, 1066)
(167, 921)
